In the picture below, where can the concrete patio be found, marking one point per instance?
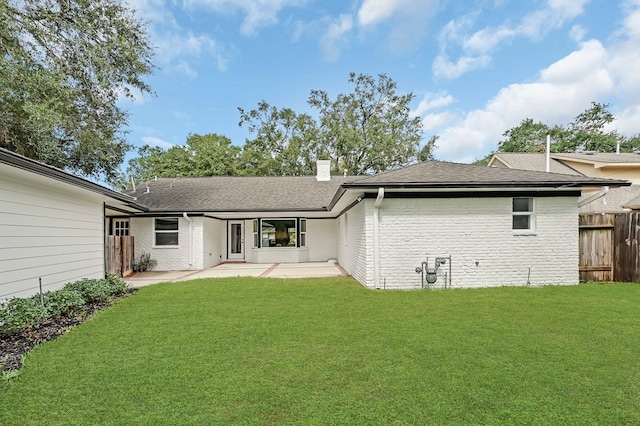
(271, 270)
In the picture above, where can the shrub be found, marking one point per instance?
(62, 302)
(18, 314)
(98, 290)
(144, 262)
(117, 287)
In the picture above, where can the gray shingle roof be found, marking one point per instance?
(305, 193)
(533, 161)
(227, 193)
(615, 201)
(601, 157)
(455, 175)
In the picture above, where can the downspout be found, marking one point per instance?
(184, 214)
(376, 237)
(594, 197)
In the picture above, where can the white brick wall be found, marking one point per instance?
(354, 229)
(170, 258)
(476, 232)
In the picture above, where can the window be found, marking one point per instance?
(278, 233)
(121, 228)
(303, 232)
(166, 231)
(523, 218)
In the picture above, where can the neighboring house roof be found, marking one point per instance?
(439, 174)
(600, 159)
(617, 200)
(237, 193)
(530, 161)
(28, 164)
(634, 203)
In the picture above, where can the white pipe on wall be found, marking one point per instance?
(376, 236)
(184, 214)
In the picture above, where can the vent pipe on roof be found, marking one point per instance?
(133, 183)
(618, 147)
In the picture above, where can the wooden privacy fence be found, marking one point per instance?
(119, 255)
(609, 247)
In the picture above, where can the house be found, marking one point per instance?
(464, 225)
(457, 225)
(603, 165)
(52, 226)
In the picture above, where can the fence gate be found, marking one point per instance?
(119, 255)
(625, 242)
(596, 247)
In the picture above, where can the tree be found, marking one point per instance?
(369, 130)
(285, 142)
(63, 67)
(202, 155)
(585, 133)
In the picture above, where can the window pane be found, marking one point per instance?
(279, 233)
(522, 205)
(167, 224)
(303, 225)
(521, 222)
(303, 240)
(166, 238)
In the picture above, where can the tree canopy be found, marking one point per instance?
(203, 155)
(367, 131)
(63, 67)
(587, 132)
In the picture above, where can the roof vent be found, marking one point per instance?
(590, 152)
(323, 170)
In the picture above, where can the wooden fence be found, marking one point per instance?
(119, 255)
(609, 247)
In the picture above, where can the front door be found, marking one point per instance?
(236, 240)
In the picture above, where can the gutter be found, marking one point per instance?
(594, 197)
(184, 214)
(376, 238)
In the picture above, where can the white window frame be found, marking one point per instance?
(256, 233)
(302, 233)
(163, 231)
(273, 219)
(530, 213)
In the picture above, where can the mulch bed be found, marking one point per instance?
(14, 346)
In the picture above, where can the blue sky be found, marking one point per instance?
(476, 68)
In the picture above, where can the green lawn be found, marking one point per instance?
(328, 351)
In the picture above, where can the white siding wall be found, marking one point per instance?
(321, 239)
(48, 230)
(354, 229)
(477, 233)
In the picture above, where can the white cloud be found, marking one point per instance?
(563, 90)
(443, 67)
(577, 33)
(432, 101)
(152, 140)
(409, 19)
(477, 45)
(333, 39)
(257, 13)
